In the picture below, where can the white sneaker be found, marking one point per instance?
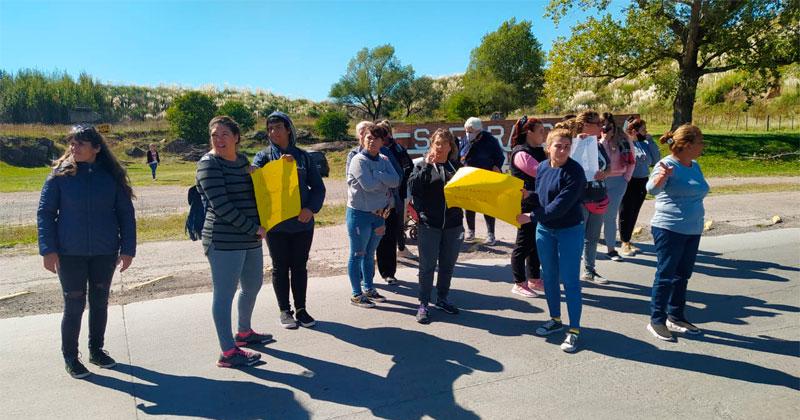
(469, 236)
(570, 343)
(490, 240)
(523, 290)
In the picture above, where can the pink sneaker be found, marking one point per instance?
(523, 290)
(537, 285)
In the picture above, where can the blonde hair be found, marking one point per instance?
(555, 134)
(446, 135)
(681, 137)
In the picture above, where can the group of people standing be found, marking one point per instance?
(87, 225)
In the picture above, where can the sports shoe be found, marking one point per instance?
(627, 250)
(446, 306)
(537, 285)
(422, 315)
(304, 318)
(614, 256)
(406, 253)
(635, 248)
(469, 236)
(374, 296)
(660, 331)
(490, 240)
(361, 301)
(570, 343)
(550, 327)
(76, 369)
(244, 339)
(101, 358)
(238, 358)
(523, 290)
(592, 276)
(683, 327)
(391, 280)
(287, 320)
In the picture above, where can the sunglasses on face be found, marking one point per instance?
(608, 128)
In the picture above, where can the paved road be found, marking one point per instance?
(483, 363)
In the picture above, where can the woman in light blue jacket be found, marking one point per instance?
(370, 176)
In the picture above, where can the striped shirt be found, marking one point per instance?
(232, 217)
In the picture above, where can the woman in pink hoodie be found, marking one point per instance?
(620, 151)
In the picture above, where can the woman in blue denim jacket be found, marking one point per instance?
(86, 228)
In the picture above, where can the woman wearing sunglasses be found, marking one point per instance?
(86, 229)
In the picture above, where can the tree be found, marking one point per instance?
(333, 125)
(510, 58)
(371, 80)
(189, 116)
(417, 96)
(460, 106)
(679, 41)
(239, 112)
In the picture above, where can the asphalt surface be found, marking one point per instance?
(482, 363)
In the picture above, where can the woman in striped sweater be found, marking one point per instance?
(232, 240)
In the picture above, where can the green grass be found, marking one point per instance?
(153, 228)
(755, 188)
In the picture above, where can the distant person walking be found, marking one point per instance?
(87, 228)
(289, 242)
(231, 238)
(560, 184)
(679, 187)
(153, 159)
(525, 158)
(441, 231)
(480, 149)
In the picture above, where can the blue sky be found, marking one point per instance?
(294, 48)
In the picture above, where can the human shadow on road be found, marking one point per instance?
(424, 367)
(620, 346)
(162, 394)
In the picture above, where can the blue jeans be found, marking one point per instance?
(442, 246)
(560, 254)
(676, 254)
(616, 186)
(228, 268)
(361, 226)
(153, 167)
(593, 222)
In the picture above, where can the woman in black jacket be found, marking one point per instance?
(86, 228)
(441, 232)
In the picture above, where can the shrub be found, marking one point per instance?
(239, 112)
(460, 106)
(189, 115)
(332, 125)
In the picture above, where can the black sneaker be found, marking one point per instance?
(446, 306)
(287, 320)
(549, 327)
(251, 338)
(660, 331)
(304, 318)
(239, 358)
(374, 296)
(361, 301)
(76, 369)
(683, 327)
(422, 315)
(101, 358)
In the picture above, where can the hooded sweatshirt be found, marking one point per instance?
(312, 189)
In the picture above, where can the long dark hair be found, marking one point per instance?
(522, 126)
(66, 165)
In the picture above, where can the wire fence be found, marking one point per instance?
(734, 122)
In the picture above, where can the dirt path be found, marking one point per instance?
(183, 268)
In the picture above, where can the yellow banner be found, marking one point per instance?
(487, 192)
(277, 192)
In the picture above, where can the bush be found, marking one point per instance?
(332, 125)
(239, 112)
(460, 106)
(189, 115)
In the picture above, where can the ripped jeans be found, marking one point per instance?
(365, 230)
(75, 273)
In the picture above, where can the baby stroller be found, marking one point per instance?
(411, 222)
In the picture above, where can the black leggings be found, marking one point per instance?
(631, 204)
(470, 216)
(386, 253)
(75, 273)
(525, 256)
(289, 253)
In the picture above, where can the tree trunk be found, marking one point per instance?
(689, 73)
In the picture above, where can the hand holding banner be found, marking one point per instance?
(487, 192)
(277, 192)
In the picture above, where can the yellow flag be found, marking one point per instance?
(277, 192)
(487, 192)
